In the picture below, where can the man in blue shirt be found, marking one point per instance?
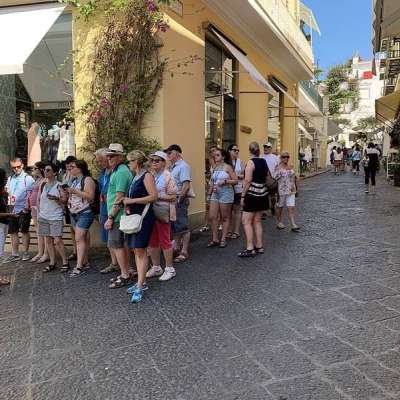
(104, 180)
(18, 187)
(181, 172)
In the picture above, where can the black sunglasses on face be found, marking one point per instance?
(156, 160)
(285, 157)
(17, 167)
(236, 150)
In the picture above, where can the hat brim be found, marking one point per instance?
(118, 153)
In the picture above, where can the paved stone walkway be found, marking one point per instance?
(316, 318)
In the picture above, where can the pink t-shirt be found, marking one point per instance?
(33, 196)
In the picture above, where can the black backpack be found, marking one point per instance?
(95, 204)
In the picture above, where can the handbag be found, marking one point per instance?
(133, 223)
(161, 212)
(190, 194)
(272, 184)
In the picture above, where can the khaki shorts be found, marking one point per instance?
(47, 227)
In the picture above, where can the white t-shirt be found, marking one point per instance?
(337, 156)
(51, 210)
(272, 162)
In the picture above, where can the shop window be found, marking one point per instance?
(37, 101)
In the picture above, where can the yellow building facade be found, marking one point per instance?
(192, 107)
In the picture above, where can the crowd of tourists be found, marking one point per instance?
(142, 205)
(354, 157)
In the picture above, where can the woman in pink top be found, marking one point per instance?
(32, 200)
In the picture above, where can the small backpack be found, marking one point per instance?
(95, 204)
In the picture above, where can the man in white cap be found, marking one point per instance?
(272, 162)
(118, 187)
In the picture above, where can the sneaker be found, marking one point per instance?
(154, 271)
(280, 225)
(131, 289)
(137, 295)
(26, 257)
(12, 259)
(295, 228)
(168, 274)
(109, 268)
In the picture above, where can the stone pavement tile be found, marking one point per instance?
(284, 289)
(353, 383)
(378, 271)
(372, 338)
(236, 373)
(390, 359)
(304, 388)
(324, 300)
(55, 337)
(69, 388)
(14, 376)
(12, 323)
(214, 342)
(12, 392)
(117, 361)
(170, 351)
(327, 350)
(361, 313)
(284, 361)
(385, 378)
(51, 365)
(392, 283)
(350, 274)
(392, 323)
(270, 334)
(192, 381)
(319, 279)
(249, 393)
(371, 291)
(392, 302)
(292, 308)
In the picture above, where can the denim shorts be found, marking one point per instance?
(224, 194)
(82, 220)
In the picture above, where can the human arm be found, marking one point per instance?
(88, 191)
(171, 190)
(248, 176)
(233, 180)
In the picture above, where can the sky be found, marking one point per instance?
(346, 28)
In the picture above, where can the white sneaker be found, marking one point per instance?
(168, 274)
(154, 271)
(280, 225)
(26, 257)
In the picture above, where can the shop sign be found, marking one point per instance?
(177, 7)
(245, 129)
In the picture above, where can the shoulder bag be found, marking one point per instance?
(133, 223)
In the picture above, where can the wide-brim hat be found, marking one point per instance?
(268, 144)
(160, 154)
(115, 148)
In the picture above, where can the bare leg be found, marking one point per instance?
(185, 242)
(225, 212)
(113, 257)
(142, 262)
(14, 243)
(258, 230)
(291, 211)
(86, 258)
(168, 255)
(279, 211)
(81, 243)
(73, 239)
(50, 249)
(155, 253)
(26, 238)
(214, 220)
(236, 219)
(247, 220)
(123, 261)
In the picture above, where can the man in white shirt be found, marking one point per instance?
(272, 162)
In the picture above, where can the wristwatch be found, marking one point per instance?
(111, 217)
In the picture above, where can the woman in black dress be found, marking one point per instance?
(254, 201)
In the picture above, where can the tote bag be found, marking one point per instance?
(133, 223)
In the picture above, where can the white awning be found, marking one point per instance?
(246, 64)
(308, 17)
(21, 30)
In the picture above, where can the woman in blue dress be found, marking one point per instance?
(142, 192)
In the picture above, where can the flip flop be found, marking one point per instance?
(181, 258)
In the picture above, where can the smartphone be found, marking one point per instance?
(64, 186)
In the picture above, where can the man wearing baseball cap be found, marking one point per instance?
(272, 162)
(182, 175)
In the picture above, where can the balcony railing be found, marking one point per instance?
(288, 26)
(312, 91)
(393, 54)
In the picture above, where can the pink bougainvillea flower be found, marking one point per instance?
(151, 5)
(162, 26)
(95, 116)
(104, 102)
(124, 88)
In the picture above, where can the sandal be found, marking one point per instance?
(229, 235)
(247, 253)
(65, 267)
(4, 281)
(77, 271)
(235, 235)
(213, 244)
(222, 244)
(121, 282)
(259, 250)
(49, 268)
(72, 257)
(181, 258)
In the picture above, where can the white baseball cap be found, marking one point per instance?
(160, 154)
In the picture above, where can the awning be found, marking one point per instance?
(305, 133)
(21, 30)
(308, 17)
(246, 64)
(387, 107)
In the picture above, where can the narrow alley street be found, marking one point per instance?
(315, 318)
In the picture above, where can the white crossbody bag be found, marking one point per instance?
(133, 223)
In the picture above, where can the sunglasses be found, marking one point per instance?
(236, 150)
(17, 167)
(48, 170)
(156, 160)
(285, 157)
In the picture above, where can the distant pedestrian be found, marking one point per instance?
(18, 187)
(67, 180)
(81, 195)
(338, 160)
(3, 210)
(272, 162)
(238, 168)
(51, 201)
(371, 164)
(38, 174)
(222, 195)
(104, 180)
(181, 172)
(254, 201)
(332, 155)
(287, 189)
(141, 195)
(165, 213)
(356, 159)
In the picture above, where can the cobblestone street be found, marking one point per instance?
(315, 318)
